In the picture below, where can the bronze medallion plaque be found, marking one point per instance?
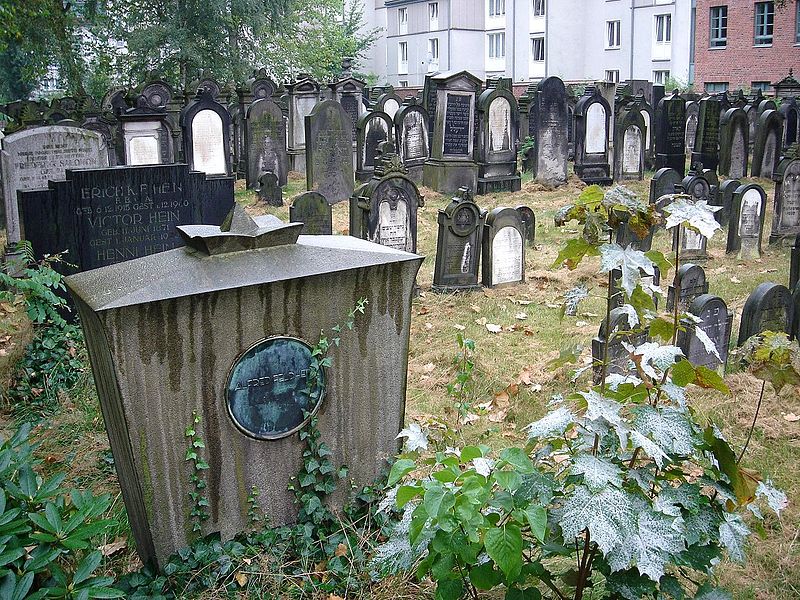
(269, 389)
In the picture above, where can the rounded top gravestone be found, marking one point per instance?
(329, 151)
(768, 308)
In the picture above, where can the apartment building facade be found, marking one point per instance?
(742, 43)
(531, 39)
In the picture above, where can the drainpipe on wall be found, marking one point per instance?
(633, 31)
(513, 40)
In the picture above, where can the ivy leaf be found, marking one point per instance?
(416, 439)
(629, 261)
(609, 515)
(597, 473)
(573, 252)
(668, 427)
(555, 423)
(775, 498)
(504, 547)
(732, 534)
(698, 216)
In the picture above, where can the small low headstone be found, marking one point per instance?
(663, 183)
(767, 147)
(458, 244)
(725, 201)
(786, 208)
(329, 151)
(716, 322)
(503, 253)
(529, 221)
(313, 211)
(609, 345)
(747, 221)
(698, 185)
(768, 308)
(691, 281)
(269, 190)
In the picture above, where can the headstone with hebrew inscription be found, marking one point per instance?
(329, 151)
(706, 142)
(458, 244)
(265, 142)
(592, 123)
(498, 126)
(670, 133)
(786, 209)
(411, 135)
(716, 322)
(206, 135)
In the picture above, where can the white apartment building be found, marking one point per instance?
(527, 40)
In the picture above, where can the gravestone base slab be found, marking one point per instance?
(297, 160)
(508, 183)
(415, 172)
(591, 174)
(446, 176)
(449, 289)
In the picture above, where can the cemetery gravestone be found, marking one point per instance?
(528, 219)
(373, 128)
(458, 244)
(206, 133)
(498, 126)
(609, 345)
(768, 308)
(32, 157)
(411, 133)
(794, 265)
(629, 144)
(265, 142)
(389, 103)
(329, 158)
(105, 216)
(691, 283)
(786, 210)
(747, 221)
(269, 190)
(349, 92)
(670, 133)
(551, 143)
(692, 120)
(142, 130)
(795, 330)
(303, 96)
(734, 143)
(766, 151)
(592, 117)
(313, 211)
(663, 183)
(706, 143)
(716, 322)
(648, 116)
(693, 245)
(452, 163)
(503, 253)
(789, 110)
(171, 336)
(724, 200)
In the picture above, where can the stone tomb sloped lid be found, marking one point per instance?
(192, 270)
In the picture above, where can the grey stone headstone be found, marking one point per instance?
(670, 133)
(767, 147)
(701, 187)
(724, 199)
(207, 332)
(551, 144)
(265, 141)
(206, 134)
(663, 183)
(768, 308)
(32, 157)
(411, 133)
(329, 152)
(503, 255)
(747, 221)
(716, 323)
(734, 143)
(373, 129)
(592, 124)
(313, 211)
(692, 119)
(629, 144)
(786, 209)
(528, 219)
(458, 245)
(497, 137)
(269, 190)
(302, 97)
(691, 281)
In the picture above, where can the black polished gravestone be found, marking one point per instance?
(724, 200)
(592, 121)
(106, 216)
(734, 143)
(503, 255)
(608, 346)
(716, 322)
(767, 147)
(691, 283)
(458, 244)
(329, 151)
(670, 133)
(794, 265)
(313, 211)
(706, 142)
(268, 189)
(768, 308)
(372, 129)
(747, 221)
(786, 209)
(384, 210)
(265, 142)
(528, 219)
(497, 140)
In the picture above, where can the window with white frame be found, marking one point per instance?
(497, 8)
(765, 22)
(402, 83)
(402, 20)
(537, 49)
(433, 54)
(497, 45)
(433, 15)
(719, 27)
(402, 58)
(612, 76)
(539, 7)
(660, 77)
(663, 29)
(612, 34)
(716, 87)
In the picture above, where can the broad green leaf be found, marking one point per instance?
(659, 260)
(744, 487)
(706, 378)
(484, 576)
(629, 261)
(555, 423)
(518, 459)
(449, 589)
(709, 592)
(437, 500)
(662, 329)
(531, 593)
(406, 493)
(470, 453)
(630, 585)
(670, 586)
(504, 546)
(400, 469)
(609, 515)
(537, 519)
(597, 472)
(682, 373)
(508, 480)
(573, 252)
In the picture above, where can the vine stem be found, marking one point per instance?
(676, 286)
(753, 425)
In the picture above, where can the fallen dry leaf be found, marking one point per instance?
(521, 316)
(469, 418)
(459, 327)
(341, 550)
(241, 579)
(113, 547)
(549, 305)
(475, 308)
(429, 367)
(492, 328)
(481, 321)
(525, 376)
(334, 597)
(735, 279)
(791, 417)
(423, 311)
(581, 323)
(428, 326)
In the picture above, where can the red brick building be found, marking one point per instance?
(744, 43)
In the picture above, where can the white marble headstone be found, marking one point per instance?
(632, 150)
(394, 229)
(507, 256)
(208, 143)
(595, 129)
(499, 125)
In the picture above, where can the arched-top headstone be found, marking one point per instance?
(648, 116)
(528, 219)
(206, 128)
(715, 322)
(734, 143)
(265, 141)
(592, 123)
(790, 112)
(503, 248)
(261, 85)
(691, 282)
(551, 144)
(498, 131)
(411, 135)
(767, 148)
(610, 345)
(670, 133)
(349, 92)
(786, 209)
(458, 245)
(706, 143)
(702, 187)
(313, 211)
(724, 199)
(372, 129)
(144, 129)
(329, 151)
(692, 120)
(663, 183)
(747, 221)
(768, 308)
(629, 144)
(388, 102)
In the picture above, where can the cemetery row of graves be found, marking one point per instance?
(199, 316)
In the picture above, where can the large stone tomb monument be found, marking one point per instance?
(224, 329)
(458, 244)
(32, 157)
(105, 216)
